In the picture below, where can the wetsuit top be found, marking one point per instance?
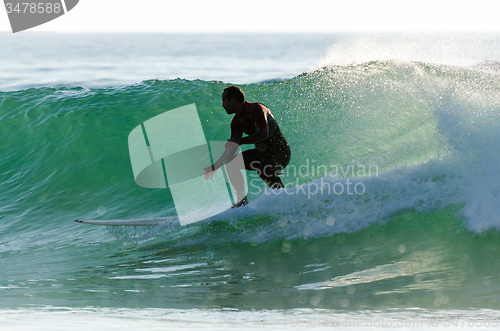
(258, 125)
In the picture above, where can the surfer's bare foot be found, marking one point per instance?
(242, 203)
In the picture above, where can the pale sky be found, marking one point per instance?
(275, 16)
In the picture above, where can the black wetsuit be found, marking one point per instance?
(270, 155)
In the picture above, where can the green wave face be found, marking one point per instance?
(420, 140)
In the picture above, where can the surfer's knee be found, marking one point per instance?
(267, 171)
(274, 182)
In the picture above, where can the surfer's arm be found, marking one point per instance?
(231, 147)
(227, 155)
(236, 132)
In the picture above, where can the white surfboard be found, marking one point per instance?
(173, 220)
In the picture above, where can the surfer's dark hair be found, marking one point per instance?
(234, 92)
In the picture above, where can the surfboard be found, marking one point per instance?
(134, 222)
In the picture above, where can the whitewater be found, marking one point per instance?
(389, 216)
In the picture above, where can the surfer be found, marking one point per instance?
(271, 153)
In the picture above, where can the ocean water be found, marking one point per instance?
(389, 219)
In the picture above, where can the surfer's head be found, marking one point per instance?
(232, 99)
(234, 92)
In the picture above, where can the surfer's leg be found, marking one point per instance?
(237, 180)
(273, 165)
(270, 177)
(251, 159)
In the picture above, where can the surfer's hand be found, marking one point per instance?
(209, 172)
(232, 143)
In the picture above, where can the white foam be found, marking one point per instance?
(450, 49)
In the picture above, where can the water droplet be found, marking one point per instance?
(101, 210)
(315, 300)
(282, 223)
(42, 197)
(287, 246)
(211, 295)
(115, 180)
